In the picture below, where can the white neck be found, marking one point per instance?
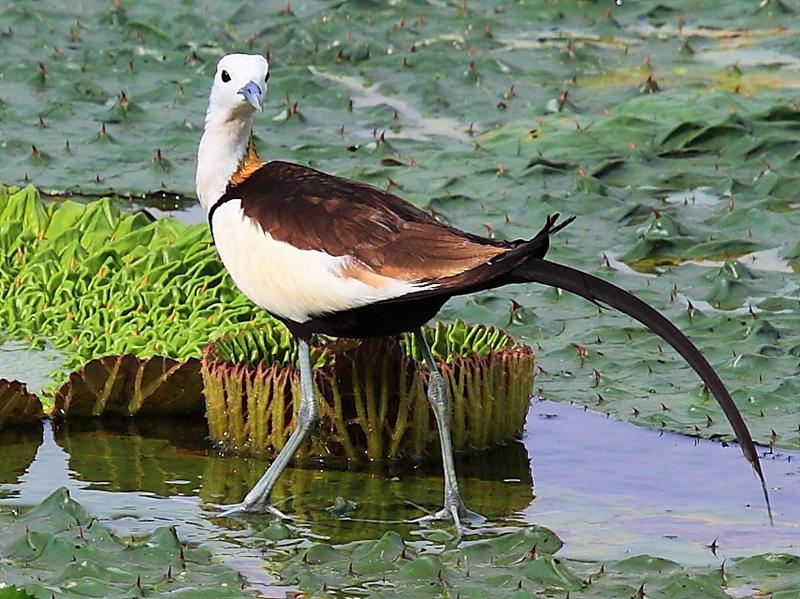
(222, 147)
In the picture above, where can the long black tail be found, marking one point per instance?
(597, 290)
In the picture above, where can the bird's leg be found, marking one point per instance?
(454, 508)
(257, 500)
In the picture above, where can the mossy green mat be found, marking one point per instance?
(98, 282)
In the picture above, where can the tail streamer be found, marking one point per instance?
(598, 291)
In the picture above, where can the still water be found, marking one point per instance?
(605, 487)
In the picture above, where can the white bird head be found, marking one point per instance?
(237, 95)
(240, 85)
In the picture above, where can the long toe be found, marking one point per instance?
(470, 518)
(456, 512)
(232, 511)
(240, 510)
(460, 514)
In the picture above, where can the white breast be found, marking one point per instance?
(289, 282)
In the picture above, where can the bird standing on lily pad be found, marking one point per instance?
(333, 256)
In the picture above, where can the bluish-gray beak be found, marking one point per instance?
(252, 93)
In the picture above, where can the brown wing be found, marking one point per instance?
(389, 236)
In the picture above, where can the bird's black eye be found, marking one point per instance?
(225, 76)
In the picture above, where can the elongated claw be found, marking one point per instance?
(456, 512)
(239, 510)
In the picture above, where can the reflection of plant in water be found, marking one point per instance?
(385, 494)
(383, 500)
(142, 455)
(372, 398)
(18, 447)
(156, 457)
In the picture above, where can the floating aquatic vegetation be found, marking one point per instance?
(372, 395)
(524, 563)
(57, 549)
(17, 405)
(663, 240)
(127, 385)
(98, 282)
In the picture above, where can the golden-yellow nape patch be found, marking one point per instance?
(248, 165)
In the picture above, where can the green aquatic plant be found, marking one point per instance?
(523, 563)
(371, 400)
(56, 549)
(99, 282)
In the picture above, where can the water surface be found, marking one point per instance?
(605, 487)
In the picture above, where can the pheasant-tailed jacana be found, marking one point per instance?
(333, 256)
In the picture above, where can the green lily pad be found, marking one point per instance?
(57, 549)
(519, 564)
